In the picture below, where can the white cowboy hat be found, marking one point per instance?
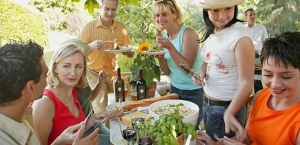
(213, 4)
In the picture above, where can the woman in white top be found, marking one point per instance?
(228, 67)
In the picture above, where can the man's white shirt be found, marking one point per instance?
(258, 34)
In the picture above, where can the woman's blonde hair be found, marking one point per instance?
(66, 50)
(161, 4)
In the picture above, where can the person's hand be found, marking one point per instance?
(68, 135)
(91, 139)
(231, 123)
(115, 114)
(98, 117)
(163, 42)
(203, 138)
(102, 77)
(159, 56)
(229, 141)
(96, 45)
(203, 76)
(129, 54)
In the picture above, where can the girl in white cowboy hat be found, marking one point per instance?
(228, 67)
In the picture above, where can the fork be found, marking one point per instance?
(190, 71)
(105, 118)
(188, 140)
(93, 110)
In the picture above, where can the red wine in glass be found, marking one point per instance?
(145, 141)
(128, 134)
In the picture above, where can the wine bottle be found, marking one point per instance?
(141, 87)
(119, 88)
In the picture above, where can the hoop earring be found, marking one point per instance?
(55, 81)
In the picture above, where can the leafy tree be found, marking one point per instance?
(280, 16)
(91, 5)
(138, 21)
(20, 23)
(193, 16)
(56, 12)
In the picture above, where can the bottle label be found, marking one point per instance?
(141, 92)
(119, 93)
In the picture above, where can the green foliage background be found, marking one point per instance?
(20, 23)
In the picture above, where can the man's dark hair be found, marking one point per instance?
(250, 9)
(19, 63)
(210, 26)
(283, 48)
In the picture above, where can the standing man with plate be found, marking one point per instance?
(99, 34)
(258, 34)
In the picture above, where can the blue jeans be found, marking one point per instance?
(103, 134)
(214, 121)
(195, 96)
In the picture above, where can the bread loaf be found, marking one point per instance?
(149, 101)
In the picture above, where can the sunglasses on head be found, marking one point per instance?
(165, 1)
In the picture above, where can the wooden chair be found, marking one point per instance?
(248, 106)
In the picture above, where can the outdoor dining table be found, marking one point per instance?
(115, 133)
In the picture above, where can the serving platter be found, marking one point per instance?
(119, 50)
(154, 52)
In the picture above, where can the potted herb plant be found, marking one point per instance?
(168, 129)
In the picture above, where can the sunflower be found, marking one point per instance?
(143, 47)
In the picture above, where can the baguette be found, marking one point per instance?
(149, 101)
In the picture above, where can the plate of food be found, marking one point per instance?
(119, 49)
(155, 52)
(116, 106)
(117, 139)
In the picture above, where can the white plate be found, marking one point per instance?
(112, 106)
(120, 50)
(117, 139)
(155, 53)
(191, 118)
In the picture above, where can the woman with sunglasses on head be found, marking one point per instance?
(228, 67)
(180, 43)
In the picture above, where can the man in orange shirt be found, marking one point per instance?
(96, 33)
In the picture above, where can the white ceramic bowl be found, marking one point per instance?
(191, 118)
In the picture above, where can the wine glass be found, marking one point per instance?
(143, 137)
(145, 140)
(128, 133)
(139, 124)
(136, 121)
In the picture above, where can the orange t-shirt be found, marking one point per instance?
(273, 127)
(95, 30)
